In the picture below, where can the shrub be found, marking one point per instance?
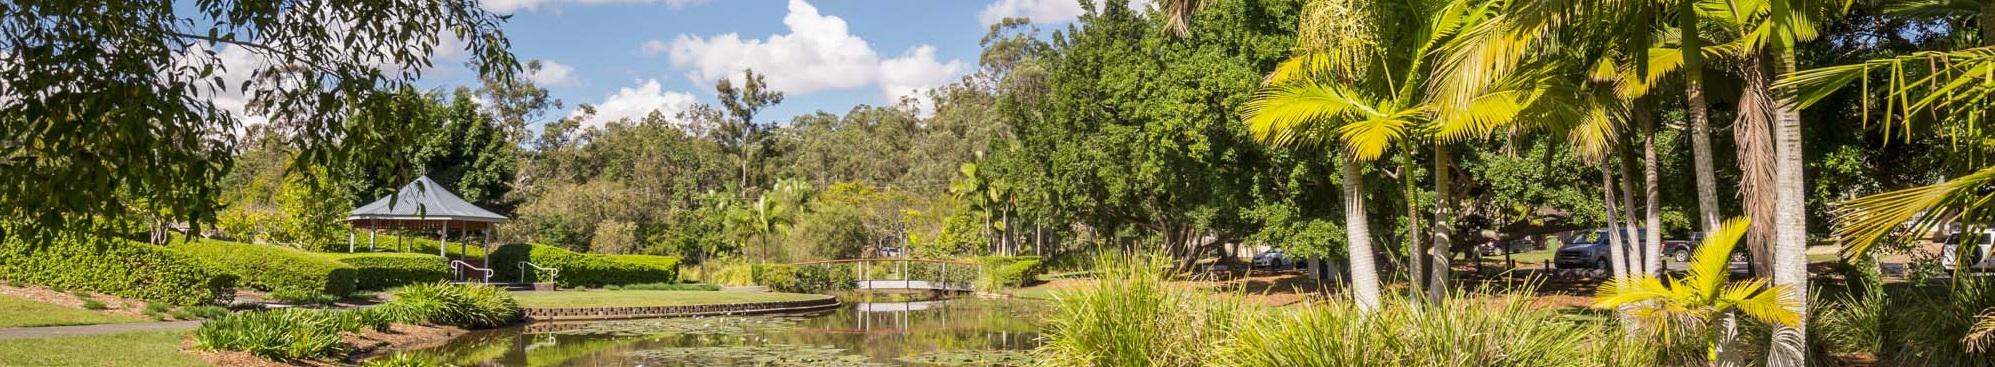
(1929, 322)
(287, 334)
(461, 305)
(274, 268)
(115, 266)
(157, 308)
(657, 262)
(1009, 271)
(404, 360)
(579, 269)
(200, 312)
(804, 279)
(299, 297)
(673, 287)
(379, 271)
(733, 275)
(94, 305)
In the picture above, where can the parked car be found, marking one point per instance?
(1499, 248)
(1588, 250)
(1977, 258)
(1682, 249)
(1272, 258)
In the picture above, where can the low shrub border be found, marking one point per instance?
(802, 279)
(578, 269)
(1009, 271)
(275, 268)
(379, 271)
(612, 313)
(115, 266)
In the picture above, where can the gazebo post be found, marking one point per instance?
(443, 241)
(371, 232)
(349, 240)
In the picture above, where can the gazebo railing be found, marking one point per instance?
(458, 267)
(552, 273)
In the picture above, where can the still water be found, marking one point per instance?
(962, 332)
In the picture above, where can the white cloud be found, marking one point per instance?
(1042, 11)
(512, 6)
(553, 74)
(818, 53)
(914, 72)
(636, 103)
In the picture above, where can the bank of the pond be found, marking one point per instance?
(629, 304)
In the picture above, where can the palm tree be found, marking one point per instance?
(1701, 301)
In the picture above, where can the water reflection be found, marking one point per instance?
(952, 332)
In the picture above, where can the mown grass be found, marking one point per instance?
(150, 349)
(645, 298)
(19, 312)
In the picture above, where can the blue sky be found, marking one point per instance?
(629, 57)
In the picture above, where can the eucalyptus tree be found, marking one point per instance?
(114, 99)
(739, 134)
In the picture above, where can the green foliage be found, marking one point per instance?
(1002, 271)
(460, 305)
(378, 271)
(117, 267)
(405, 360)
(1926, 326)
(657, 262)
(1130, 318)
(582, 270)
(315, 210)
(302, 297)
(282, 335)
(471, 154)
(733, 274)
(802, 279)
(94, 305)
(200, 312)
(671, 287)
(157, 308)
(274, 268)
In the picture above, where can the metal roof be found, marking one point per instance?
(424, 200)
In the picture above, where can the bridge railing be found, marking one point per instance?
(881, 273)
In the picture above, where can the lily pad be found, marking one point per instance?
(972, 358)
(726, 325)
(772, 355)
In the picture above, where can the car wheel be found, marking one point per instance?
(1682, 255)
(1600, 264)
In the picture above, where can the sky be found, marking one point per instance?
(631, 57)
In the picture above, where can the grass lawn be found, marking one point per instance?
(639, 298)
(150, 349)
(18, 312)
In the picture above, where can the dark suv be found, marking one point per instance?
(1588, 250)
(1681, 250)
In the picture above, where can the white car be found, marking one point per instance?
(1977, 259)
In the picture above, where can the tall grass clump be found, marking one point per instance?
(1129, 317)
(282, 335)
(461, 305)
(1470, 329)
(1930, 324)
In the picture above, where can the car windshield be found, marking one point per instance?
(1590, 237)
(1986, 238)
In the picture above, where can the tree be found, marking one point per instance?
(1701, 301)
(739, 133)
(131, 85)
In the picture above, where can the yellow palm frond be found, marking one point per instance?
(1368, 139)
(1302, 113)
(1862, 222)
(1305, 65)
(1707, 270)
(1767, 304)
(1595, 134)
(1619, 292)
(1981, 337)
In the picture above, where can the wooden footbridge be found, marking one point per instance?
(907, 274)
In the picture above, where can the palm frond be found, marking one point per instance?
(1708, 269)
(1933, 8)
(1368, 139)
(1626, 291)
(1302, 113)
(1981, 338)
(1767, 304)
(1863, 221)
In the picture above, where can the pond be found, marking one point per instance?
(961, 332)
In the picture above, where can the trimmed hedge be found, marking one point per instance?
(383, 270)
(116, 266)
(669, 263)
(804, 279)
(1009, 271)
(577, 269)
(275, 268)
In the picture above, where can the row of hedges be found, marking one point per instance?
(115, 266)
(582, 270)
(1009, 271)
(385, 270)
(275, 268)
(802, 279)
(670, 263)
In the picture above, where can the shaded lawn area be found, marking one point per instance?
(642, 298)
(150, 349)
(20, 312)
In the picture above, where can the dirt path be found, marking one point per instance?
(61, 331)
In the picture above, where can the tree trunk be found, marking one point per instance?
(1700, 122)
(1652, 238)
(1634, 249)
(1725, 346)
(1752, 132)
(1615, 253)
(1357, 237)
(1790, 259)
(1444, 216)
(1416, 245)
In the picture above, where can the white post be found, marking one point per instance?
(371, 232)
(349, 240)
(443, 241)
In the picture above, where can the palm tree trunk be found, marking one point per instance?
(1700, 121)
(1652, 238)
(1416, 244)
(1444, 216)
(1753, 134)
(1357, 237)
(1615, 253)
(1634, 249)
(1725, 346)
(1790, 259)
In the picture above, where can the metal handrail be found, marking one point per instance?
(552, 273)
(457, 270)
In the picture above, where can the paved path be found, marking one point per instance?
(60, 331)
